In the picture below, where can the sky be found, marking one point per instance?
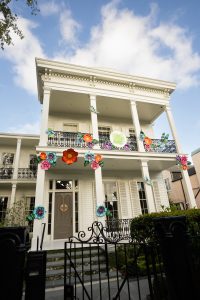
(158, 39)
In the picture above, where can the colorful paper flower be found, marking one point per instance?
(142, 135)
(127, 147)
(43, 156)
(45, 165)
(87, 138)
(182, 161)
(89, 156)
(51, 157)
(107, 145)
(39, 212)
(94, 165)
(98, 158)
(147, 140)
(50, 133)
(69, 156)
(101, 211)
(118, 139)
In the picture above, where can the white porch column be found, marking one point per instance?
(44, 117)
(173, 128)
(148, 188)
(136, 125)
(39, 200)
(186, 180)
(13, 194)
(94, 119)
(17, 157)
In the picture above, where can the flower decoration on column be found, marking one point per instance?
(38, 213)
(69, 156)
(50, 133)
(87, 138)
(96, 161)
(182, 162)
(103, 211)
(148, 181)
(92, 109)
(47, 160)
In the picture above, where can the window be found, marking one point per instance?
(66, 185)
(111, 199)
(3, 208)
(167, 184)
(76, 212)
(142, 197)
(7, 159)
(104, 132)
(131, 132)
(30, 205)
(70, 127)
(50, 213)
(33, 163)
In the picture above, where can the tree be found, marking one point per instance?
(8, 20)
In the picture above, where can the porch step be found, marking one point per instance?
(89, 257)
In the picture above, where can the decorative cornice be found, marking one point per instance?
(94, 81)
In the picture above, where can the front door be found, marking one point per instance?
(63, 220)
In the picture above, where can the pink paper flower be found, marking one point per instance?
(184, 160)
(94, 165)
(45, 165)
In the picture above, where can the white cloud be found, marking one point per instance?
(29, 128)
(138, 45)
(49, 8)
(22, 56)
(69, 28)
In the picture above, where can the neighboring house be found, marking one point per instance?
(175, 184)
(129, 183)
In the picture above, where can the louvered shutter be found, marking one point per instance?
(86, 204)
(124, 199)
(157, 197)
(135, 200)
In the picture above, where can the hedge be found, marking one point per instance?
(142, 227)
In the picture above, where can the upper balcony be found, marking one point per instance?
(6, 173)
(72, 140)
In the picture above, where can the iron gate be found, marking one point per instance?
(102, 265)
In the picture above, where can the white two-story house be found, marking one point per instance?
(99, 114)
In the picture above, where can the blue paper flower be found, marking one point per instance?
(51, 157)
(89, 156)
(39, 212)
(101, 211)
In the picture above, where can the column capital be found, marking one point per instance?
(47, 90)
(144, 162)
(19, 140)
(167, 107)
(92, 97)
(14, 185)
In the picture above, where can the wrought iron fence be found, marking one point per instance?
(26, 173)
(66, 139)
(120, 227)
(98, 266)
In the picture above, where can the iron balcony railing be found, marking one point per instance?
(158, 146)
(118, 227)
(72, 139)
(23, 173)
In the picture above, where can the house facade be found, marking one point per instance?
(98, 115)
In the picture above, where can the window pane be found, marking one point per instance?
(142, 196)
(3, 208)
(66, 185)
(30, 205)
(50, 184)
(111, 197)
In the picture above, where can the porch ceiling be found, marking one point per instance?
(74, 103)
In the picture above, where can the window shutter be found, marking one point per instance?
(124, 197)
(157, 195)
(136, 207)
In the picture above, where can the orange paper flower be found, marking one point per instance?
(184, 167)
(147, 141)
(98, 158)
(43, 156)
(87, 138)
(69, 156)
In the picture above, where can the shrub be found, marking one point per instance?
(142, 227)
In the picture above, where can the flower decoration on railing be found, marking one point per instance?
(182, 162)
(92, 109)
(96, 161)
(81, 137)
(148, 181)
(46, 160)
(38, 213)
(50, 132)
(103, 211)
(149, 144)
(70, 156)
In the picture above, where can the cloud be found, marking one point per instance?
(69, 28)
(22, 56)
(139, 45)
(29, 128)
(48, 8)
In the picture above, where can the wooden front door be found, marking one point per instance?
(63, 215)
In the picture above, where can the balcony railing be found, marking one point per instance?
(158, 146)
(23, 173)
(72, 139)
(6, 172)
(26, 173)
(119, 228)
